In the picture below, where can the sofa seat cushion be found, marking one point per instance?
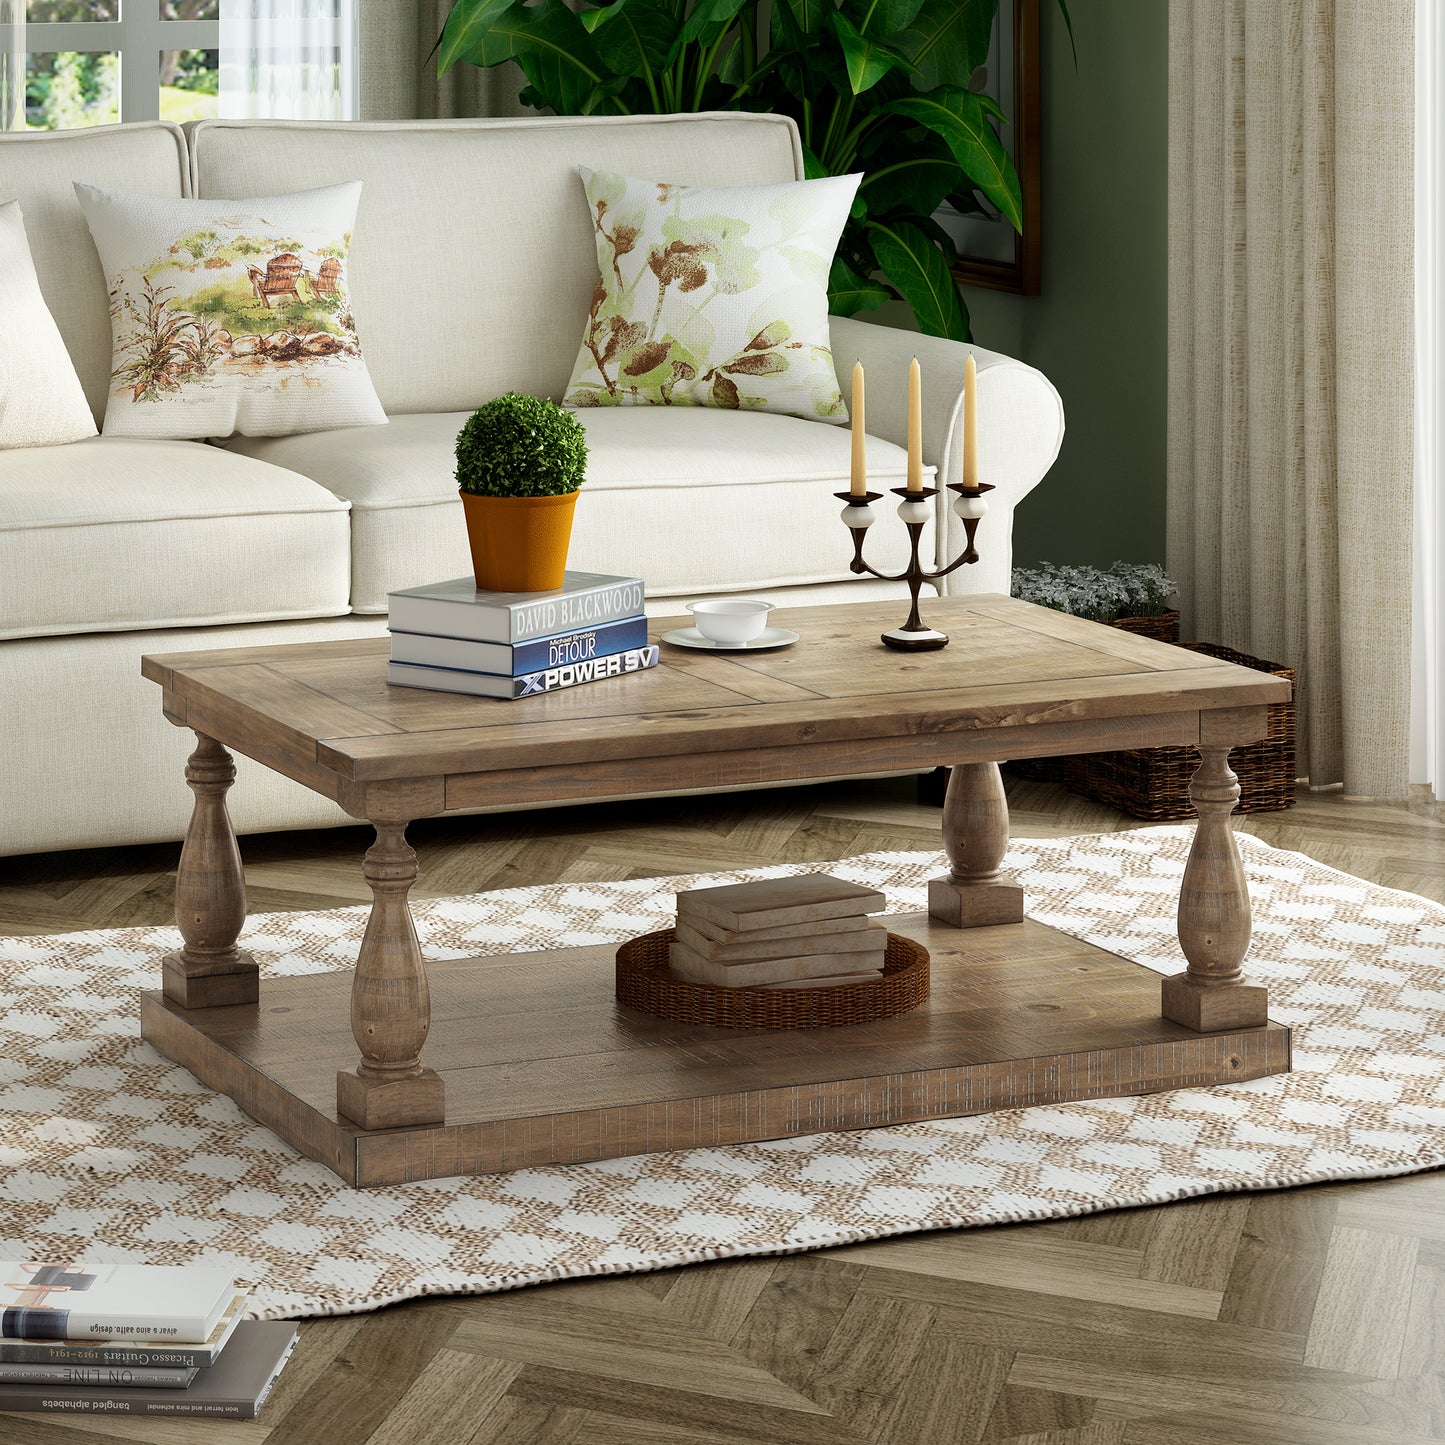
(111, 534)
(690, 499)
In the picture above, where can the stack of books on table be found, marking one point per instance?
(808, 931)
(131, 1339)
(453, 637)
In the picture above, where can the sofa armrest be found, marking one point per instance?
(1020, 429)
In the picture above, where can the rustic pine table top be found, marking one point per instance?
(1017, 681)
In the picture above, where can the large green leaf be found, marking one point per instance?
(919, 183)
(960, 119)
(919, 270)
(868, 60)
(634, 37)
(850, 293)
(813, 168)
(466, 26)
(810, 15)
(887, 18)
(566, 90)
(733, 70)
(554, 50)
(709, 18)
(1069, 26)
(948, 40)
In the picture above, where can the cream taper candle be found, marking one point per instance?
(858, 482)
(970, 423)
(915, 427)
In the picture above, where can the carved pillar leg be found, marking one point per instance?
(390, 1001)
(1214, 920)
(975, 837)
(210, 971)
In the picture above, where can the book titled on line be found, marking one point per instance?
(114, 1377)
(104, 1353)
(125, 1302)
(233, 1388)
(459, 608)
(484, 684)
(526, 657)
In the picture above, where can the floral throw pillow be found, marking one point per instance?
(712, 296)
(231, 316)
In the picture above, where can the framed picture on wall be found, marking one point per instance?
(991, 253)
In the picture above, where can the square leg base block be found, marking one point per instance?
(975, 905)
(391, 1103)
(1207, 1010)
(219, 985)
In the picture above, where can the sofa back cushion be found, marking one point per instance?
(474, 261)
(39, 170)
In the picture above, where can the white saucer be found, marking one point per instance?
(765, 641)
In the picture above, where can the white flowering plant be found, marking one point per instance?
(1127, 589)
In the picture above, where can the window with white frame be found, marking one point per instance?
(95, 62)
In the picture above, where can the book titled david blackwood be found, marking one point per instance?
(458, 609)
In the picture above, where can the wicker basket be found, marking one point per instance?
(1153, 783)
(1163, 628)
(644, 981)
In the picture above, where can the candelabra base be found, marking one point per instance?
(921, 639)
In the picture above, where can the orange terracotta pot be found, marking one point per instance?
(519, 544)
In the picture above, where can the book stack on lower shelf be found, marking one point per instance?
(453, 637)
(808, 931)
(126, 1339)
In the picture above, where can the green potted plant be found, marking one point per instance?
(520, 463)
(884, 89)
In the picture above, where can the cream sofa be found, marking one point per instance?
(471, 272)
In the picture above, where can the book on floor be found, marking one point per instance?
(233, 1388)
(166, 1354)
(459, 608)
(501, 659)
(115, 1377)
(483, 684)
(124, 1302)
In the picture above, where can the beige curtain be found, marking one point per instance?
(399, 78)
(1291, 140)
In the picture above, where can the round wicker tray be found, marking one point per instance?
(644, 981)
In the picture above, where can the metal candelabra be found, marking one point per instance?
(915, 635)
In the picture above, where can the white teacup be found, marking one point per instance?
(730, 619)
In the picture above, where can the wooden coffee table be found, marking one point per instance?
(503, 1062)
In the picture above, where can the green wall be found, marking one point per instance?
(1098, 328)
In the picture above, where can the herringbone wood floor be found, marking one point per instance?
(1311, 1315)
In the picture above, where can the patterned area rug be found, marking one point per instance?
(108, 1151)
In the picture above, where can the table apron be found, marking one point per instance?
(752, 767)
(425, 795)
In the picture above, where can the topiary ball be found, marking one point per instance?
(521, 446)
